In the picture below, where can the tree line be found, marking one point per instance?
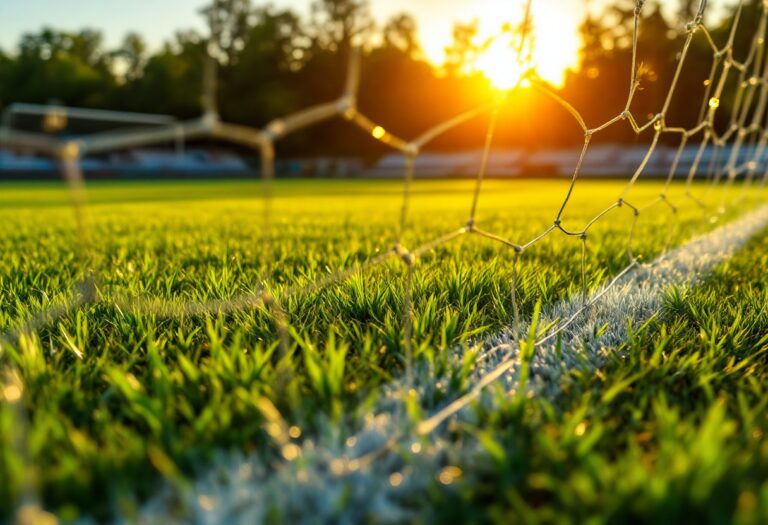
(272, 61)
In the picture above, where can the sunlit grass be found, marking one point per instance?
(671, 431)
(115, 395)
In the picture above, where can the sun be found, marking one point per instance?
(500, 64)
(553, 49)
(555, 39)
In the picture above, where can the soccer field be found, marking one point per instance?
(578, 334)
(169, 367)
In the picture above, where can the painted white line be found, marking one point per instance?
(583, 337)
(326, 482)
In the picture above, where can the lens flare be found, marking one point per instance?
(499, 63)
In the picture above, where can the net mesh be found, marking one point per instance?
(745, 137)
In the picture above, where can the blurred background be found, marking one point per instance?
(79, 67)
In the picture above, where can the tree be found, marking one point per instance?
(262, 84)
(5, 65)
(86, 46)
(398, 85)
(69, 67)
(171, 81)
(229, 23)
(400, 32)
(340, 24)
(461, 55)
(133, 52)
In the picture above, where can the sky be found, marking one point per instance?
(156, 20)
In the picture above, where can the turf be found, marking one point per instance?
(672, 431)
(117, 398)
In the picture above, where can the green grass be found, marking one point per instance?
(673, 431)
(116, 399)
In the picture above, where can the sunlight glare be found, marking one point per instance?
(499, 64)
(556, 39)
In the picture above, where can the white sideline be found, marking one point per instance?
(325, 479)
(632, 300)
